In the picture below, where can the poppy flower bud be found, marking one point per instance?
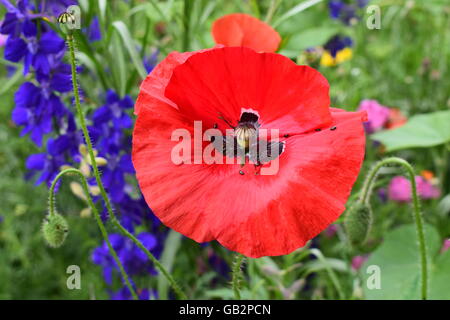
(55, 229)
(358, 222)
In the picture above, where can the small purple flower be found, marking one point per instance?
(383, 195)
(362, 3)
(400, 189)
(331, 231)
(358, 261)
(94, 33)
(217, 264)
(335, 7)
(3, 40)
(151, 61)
(445, 245)
(426, 189)
(378, 115)
(345, 11)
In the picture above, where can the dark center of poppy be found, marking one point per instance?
(246, 141)
(247, 129)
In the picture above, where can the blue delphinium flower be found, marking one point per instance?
(37, 106)
(114, 112)
(19, 19)
(38, 53)
(47, 165)
(134, 260)
(55, 7)
(335, 7)
(42, 114)
(151, 61)
(346, 11)
(124, 294)
(94, 33)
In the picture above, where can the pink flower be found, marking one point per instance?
(378, 115)
(400, 189)
(426, 189)
(445, 245)
(330, 231)
(2, 39)
(358, 261)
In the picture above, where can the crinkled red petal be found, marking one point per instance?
(239, 29)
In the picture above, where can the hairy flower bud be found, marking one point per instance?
(55, 229)
(358, 222)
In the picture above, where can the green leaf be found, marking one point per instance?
(309, 38)
(398, 258)
(131, 47)
(421, 131)
(12, 81)
(297, 9)
(119, 71)
(171, 246)
(102, 8)
(440, 278)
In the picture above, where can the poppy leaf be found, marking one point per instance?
(399, 269)
(440, 278)
(421, 131)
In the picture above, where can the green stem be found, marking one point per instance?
(97, 217)
(273, 7)
(103, 193)
(418, 219)
(318, 254)
(186, 24)
(236, 275)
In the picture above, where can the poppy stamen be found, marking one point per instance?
(227, 122)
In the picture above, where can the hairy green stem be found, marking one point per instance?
(115, 221)
(236, 275)
(97, 218)
(418, 219)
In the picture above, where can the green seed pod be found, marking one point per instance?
(55, 229)
(358, 222)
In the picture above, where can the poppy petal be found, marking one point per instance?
(257, 215)
(223, 81)
(239, 29)
(154, 85)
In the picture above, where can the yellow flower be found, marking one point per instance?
(327, 59)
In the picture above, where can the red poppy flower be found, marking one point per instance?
(239, 29)
(254, 214)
